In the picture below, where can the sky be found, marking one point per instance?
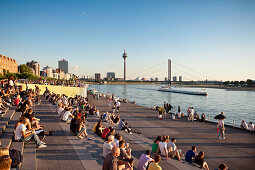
(212, 40)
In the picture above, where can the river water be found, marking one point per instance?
(236, 105)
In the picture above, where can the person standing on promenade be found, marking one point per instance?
(189, 116)
(118, 106)
(192, 112)
(221, 128)
(110, 102)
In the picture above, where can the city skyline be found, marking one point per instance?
(203, 39)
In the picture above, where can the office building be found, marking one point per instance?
(63, 65)
(110, 75)
(174, 78)
(97, 76)
(180, 78)
(35, 66)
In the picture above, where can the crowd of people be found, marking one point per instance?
(117, 153)
(28, 126)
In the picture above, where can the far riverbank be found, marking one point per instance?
(176, 85)
(221, 87)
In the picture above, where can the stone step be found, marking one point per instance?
(86, 150)
(7, 127)
(29, 157)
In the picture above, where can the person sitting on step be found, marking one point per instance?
(23, 134)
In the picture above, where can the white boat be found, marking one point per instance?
(167, 89)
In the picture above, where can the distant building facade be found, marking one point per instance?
(174, 78)
(97, 76)
(47, 72)
(180, 78)
(8, 64)
(63, 65)
(35, 66)
(110, 75)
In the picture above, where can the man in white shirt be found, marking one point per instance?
(144, 160)
(172, 149)
(163, 148)
(22, 134)
(107, 147)
(67, 116)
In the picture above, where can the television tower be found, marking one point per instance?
(124, 57)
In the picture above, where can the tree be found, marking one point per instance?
(242, 82)
(226, 83)
(249, 82)
(23, 68)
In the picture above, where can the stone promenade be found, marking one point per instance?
(237, 151)
(66, 151)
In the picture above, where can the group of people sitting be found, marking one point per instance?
(72, 110)
(246, 126)
(28, 126)
(167, 148)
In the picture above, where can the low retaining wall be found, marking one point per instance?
(69, 91)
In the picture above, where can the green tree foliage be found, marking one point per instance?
(27, 76)
(23, 68)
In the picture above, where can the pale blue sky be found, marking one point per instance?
(215, 38)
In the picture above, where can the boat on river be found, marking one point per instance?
(168, 89)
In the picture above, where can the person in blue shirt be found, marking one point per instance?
(191, 154)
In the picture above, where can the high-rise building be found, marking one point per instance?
(175, 78)
(110, 75)
(97, 76)
(180, 78)
(8, 64)
(35, 66)
(63, 65)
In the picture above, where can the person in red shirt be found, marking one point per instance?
(105, 132)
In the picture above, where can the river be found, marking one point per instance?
(236, 105)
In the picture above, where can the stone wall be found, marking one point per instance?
(69, 91)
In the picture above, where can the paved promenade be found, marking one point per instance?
(237, 151)
(66, 151)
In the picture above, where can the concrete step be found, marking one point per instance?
(3, 112)
(88, 151)
(7, 125)
(29, 157)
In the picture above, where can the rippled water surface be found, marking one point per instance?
(236, 105)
